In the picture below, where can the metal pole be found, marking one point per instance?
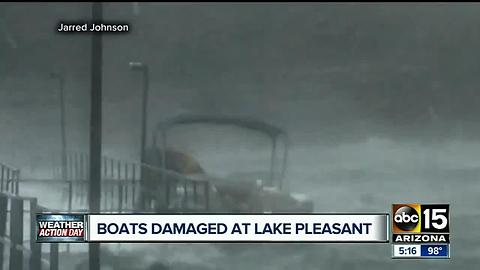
(3, 224)
(17, 181)
(62, 128)
(16, 233)
(95, 131)
(64, 145)
(35, 248)
(1, 176)
(134, 174)
(146, 83)
(144, 123)
(143, 140)
(284, 162)
(53, 256)
(272, 160)
(165, 181)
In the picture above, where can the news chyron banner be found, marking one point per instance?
(217, 228)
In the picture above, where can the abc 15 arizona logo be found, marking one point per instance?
(420, 223)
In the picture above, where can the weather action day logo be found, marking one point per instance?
(60, 228)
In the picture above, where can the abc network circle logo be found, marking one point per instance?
(406, 218)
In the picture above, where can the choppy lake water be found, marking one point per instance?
(366, 177)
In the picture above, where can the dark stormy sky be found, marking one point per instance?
(328, 73)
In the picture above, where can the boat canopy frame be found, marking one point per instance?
(275, 134)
